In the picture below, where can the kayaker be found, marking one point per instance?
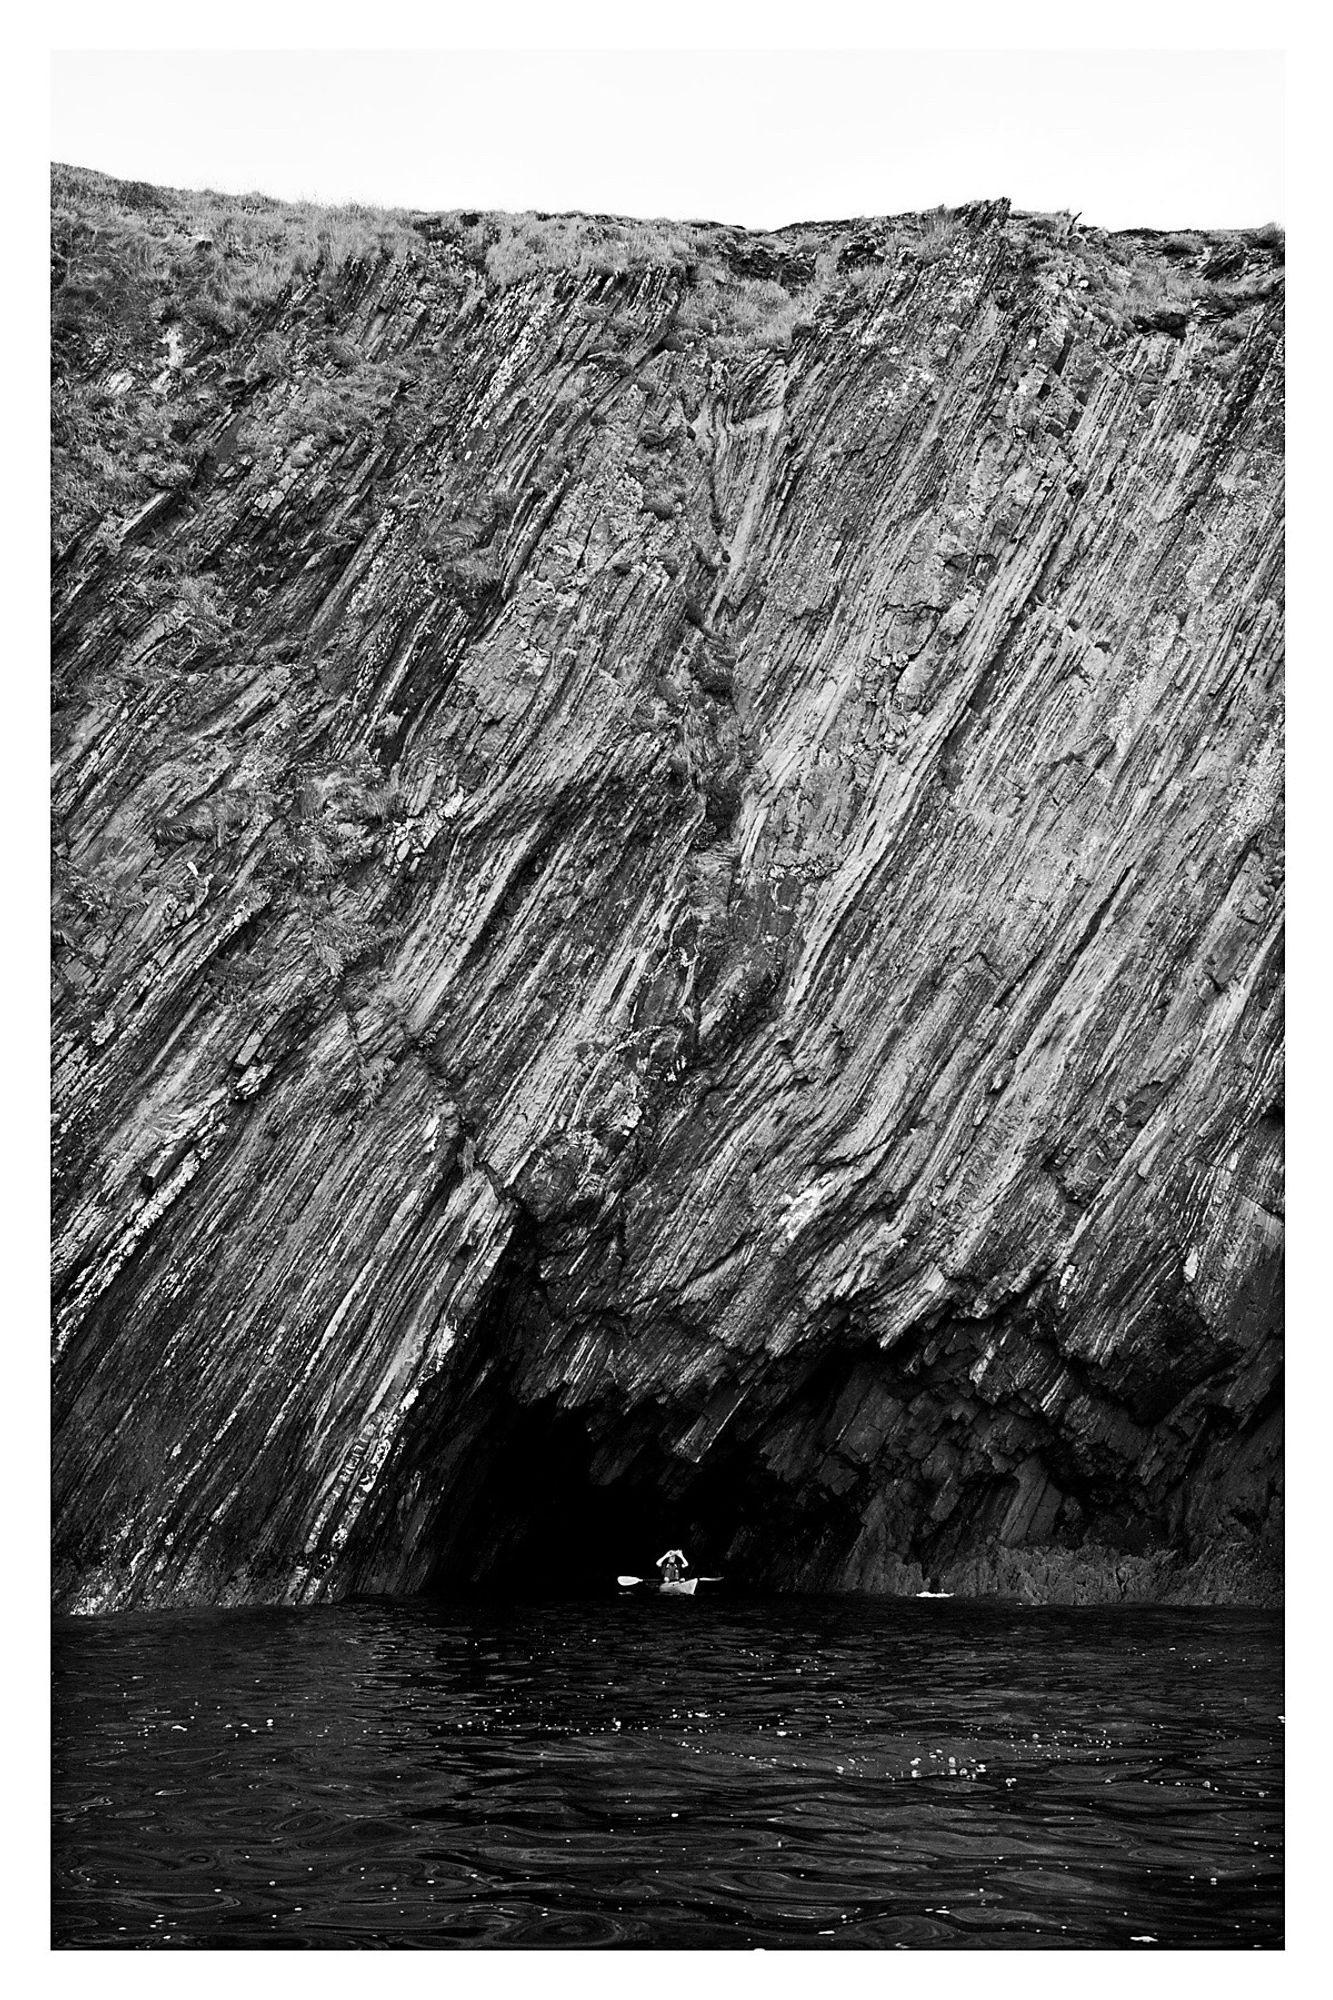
(672, 1565)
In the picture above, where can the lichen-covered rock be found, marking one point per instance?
(667, 905)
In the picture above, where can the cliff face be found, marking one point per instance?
(667, 903)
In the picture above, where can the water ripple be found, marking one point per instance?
(810, 1774)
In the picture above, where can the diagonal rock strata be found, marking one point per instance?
(667, 904)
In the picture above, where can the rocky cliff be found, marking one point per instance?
(667, 902)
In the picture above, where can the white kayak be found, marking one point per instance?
(683, 1586)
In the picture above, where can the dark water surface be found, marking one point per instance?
(666, 1774)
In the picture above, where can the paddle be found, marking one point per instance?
(625, 1582)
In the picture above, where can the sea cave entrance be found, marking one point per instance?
(540, 1515)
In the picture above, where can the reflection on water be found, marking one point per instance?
(670, 1774)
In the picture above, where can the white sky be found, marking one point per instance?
(1165, 138)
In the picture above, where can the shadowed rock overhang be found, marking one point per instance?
(668, 901)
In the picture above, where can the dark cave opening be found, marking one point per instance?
(546, 1496)
(531, 1508)
(540, 1521)
(854, 1469)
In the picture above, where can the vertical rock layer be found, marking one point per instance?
(668, 908)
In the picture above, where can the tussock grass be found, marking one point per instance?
(746, 315)
(526, 246)
(224, 254)
(126, 260)
(940, 230)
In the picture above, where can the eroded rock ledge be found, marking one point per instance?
(668, 904)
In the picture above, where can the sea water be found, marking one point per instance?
(645, 1773)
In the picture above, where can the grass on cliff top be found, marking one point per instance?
(228, 253)
(130, 261)
(128, 258)
(141, 275)
(220, 255)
